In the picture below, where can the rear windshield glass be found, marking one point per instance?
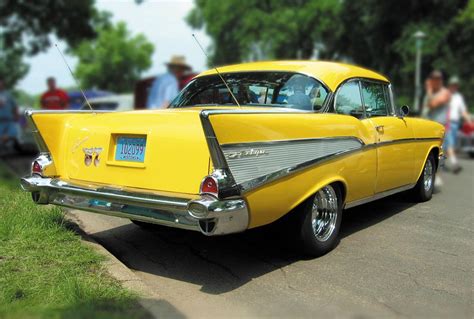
(271, 89)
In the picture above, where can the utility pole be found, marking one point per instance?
(419, 36)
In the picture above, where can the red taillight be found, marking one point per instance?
(36, 168)
(209, 186)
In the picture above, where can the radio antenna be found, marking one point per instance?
(73, 76)
(217, 71)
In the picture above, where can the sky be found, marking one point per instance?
(161, 21)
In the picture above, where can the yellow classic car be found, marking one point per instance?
(240, 147)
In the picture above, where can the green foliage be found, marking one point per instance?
(25, 99)
(114, 61)
(375, 34)
(45, 270)
(12, 66)
(264, 29)
(26, 28)
(382, 38)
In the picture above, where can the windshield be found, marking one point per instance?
(271, 89)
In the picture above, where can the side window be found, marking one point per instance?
(375, 99)
(348, 100)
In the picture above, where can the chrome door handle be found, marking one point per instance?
(379, 128)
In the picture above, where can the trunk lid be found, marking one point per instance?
(163, 150)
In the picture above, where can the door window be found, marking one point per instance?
(348, 100)
(375, 99)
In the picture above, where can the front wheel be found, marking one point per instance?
(321, 221)
(423, 191)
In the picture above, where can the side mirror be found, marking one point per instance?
(404, 111)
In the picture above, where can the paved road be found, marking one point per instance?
(395, 259)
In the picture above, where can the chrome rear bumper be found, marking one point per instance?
(215, 216)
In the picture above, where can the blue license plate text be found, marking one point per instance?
(130, 149)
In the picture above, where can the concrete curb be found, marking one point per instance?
(120, 272)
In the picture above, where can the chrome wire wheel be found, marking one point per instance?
(428, 174)
(324, 213)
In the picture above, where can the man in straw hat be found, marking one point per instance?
(166, 86)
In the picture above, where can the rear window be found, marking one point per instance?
(270, 89)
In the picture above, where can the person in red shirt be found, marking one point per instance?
(54, 98)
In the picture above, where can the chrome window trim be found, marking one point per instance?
(390, 100)
(360, 95)
(384, 86)
(323, 109)
(358, 78)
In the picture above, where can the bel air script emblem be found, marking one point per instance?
(246, 153)
(91, 154)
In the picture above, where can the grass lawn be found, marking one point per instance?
(45, 270)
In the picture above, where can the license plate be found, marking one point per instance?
(130, 149)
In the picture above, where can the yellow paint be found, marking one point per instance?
(177, 155)
(330, 73)
(364, 173)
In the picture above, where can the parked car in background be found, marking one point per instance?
(76, 99)
(297, 141)
(118, 102)
(466, 138)
(25, 141)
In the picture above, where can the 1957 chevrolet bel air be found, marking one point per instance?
(241, 147)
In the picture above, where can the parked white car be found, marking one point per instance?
(118, 102)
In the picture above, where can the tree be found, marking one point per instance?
(268, 29)
(26, 28)
(12, 67)
(27, 25)
(379, 35)
(114, 61)
(373, 33)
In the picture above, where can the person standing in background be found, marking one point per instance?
(436, 105)
(436, 101)
(166, 86)
(54, 98)
(457, 109)
(8, 116)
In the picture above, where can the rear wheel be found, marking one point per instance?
(423, 191)
(321, 221)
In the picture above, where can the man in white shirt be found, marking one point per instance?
(457, 110)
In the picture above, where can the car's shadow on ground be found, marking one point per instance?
(222, 264)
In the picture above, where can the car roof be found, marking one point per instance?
(330, 73)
